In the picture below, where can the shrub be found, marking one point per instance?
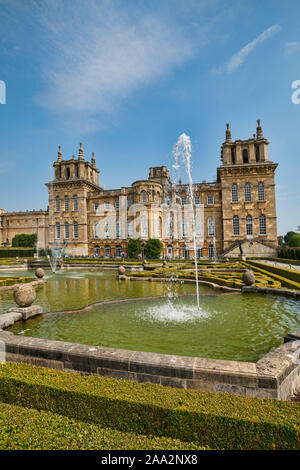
(13, 252)
(153, 248)
(24, 240)
(216, 420)
(133, 248)
(295, 240)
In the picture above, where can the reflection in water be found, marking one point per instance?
(236, 327)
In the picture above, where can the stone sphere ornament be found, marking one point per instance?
(248, 277)
(121, 270)
(40, 273)
(24, 295)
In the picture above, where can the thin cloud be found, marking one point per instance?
(99, 55)
(239, 57)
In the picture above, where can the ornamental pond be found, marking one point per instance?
(231, 326)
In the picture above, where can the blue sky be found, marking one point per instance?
(128, 77)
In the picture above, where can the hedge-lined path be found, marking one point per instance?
(279, 264)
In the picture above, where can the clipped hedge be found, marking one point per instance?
(216, 420)
(10, 281)
(288, 277)
(23, 429)
(14, 252)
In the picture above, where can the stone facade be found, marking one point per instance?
(233, 215)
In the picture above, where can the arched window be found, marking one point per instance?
(68, 173)
(249, 225)
(261, 191)
(97, 251)
(234, 192)
(76, 171)
(75, 202)
(262, 225)
(66, 203)
(248, 197)
(185, 252)
(211, 251)
(66, 230)
(75, 228)
(236, 225)
(118, 251)
(57, 204)
(211, 226)
(57, 225)
(144, 196)
(107, 251)
(245, 156)
(199, 252)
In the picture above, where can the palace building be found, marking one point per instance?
(234, 214)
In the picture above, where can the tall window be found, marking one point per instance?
(75, 229)
(248, 197)
(117, 204)
(232, 155)
(66, 230)
(184, 229)
(210, 200)
(96, 229)
(198, 227)
(245, 156)
(107, 251)
(75, 202)
(211, 251)
(144, 196)
(118, 250)
(66, 203)
(211, 226)
(129, 228)
(57, 204)
(261, 191)
(96, 205)
(57, 229)
(144, 226)
(236, 225)
(118, 231)
(235, 194)
(158, 227)
(249, 225)
(262, 224)
(183, 200)
(106, 230)
(129, 202)
(197, 200)
(169, 226)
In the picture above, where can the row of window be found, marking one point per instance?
(248, 192)
(249, 225)
(66, 230)
(66, 203)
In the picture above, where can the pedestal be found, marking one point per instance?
(27, 312)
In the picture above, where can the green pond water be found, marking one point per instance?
(227, 326)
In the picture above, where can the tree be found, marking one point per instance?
(24, 240)
(288, 236)
(153, 248)
(295, 240)
(133, 248)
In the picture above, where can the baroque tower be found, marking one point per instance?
(247, 183)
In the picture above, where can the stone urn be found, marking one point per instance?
(121, 270)
(40, 273)
(24, 295)
(248, 277)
